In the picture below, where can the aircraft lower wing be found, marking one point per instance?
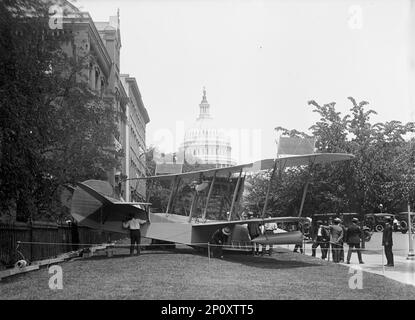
(234, 222)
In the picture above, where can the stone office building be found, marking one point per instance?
(134, 137)
(100, 44)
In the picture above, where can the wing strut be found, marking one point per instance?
(269, 189)
(150, 187)
(235, 193)
(306, 187)
(193, 206)
(173, 184)
(208, 196)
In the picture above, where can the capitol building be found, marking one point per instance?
(206, 143)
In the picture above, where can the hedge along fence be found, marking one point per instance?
(58, 235)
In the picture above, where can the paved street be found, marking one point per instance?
(400, 244)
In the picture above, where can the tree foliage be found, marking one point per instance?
(382, 171)
(53, 129)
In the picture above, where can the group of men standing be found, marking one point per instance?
(336, 234)
(255, 229)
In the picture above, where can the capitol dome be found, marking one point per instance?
(205, 142)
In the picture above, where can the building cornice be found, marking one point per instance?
(137, 95)
(83, 18)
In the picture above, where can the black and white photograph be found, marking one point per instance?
(208, 155)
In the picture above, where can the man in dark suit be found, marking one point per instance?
(336, 239)
(74, 235)
(353, 235)
(387, 242)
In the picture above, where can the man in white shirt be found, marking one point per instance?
(321, 239)
(270, 228)
(135, 234)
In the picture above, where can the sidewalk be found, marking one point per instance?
(403, 271)
(374, 261)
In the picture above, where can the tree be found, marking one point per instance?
(53, 129)
(381, 172)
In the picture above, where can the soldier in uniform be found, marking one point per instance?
(387, 242)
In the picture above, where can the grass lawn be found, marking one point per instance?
(184, 274)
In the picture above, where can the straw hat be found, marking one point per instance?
(226, 231)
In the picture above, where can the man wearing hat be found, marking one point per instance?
(217, 241)
(387, 242)
(269, 229)
(353, 235)
(336, 238)
(254, 231)
(320, 239)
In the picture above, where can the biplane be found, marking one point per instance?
(93, 205)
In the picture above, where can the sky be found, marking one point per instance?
(261, 62)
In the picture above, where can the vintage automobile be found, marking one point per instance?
(327, 218)
(376, 221)
(402, 221)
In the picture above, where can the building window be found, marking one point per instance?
(96, 79)
(102, 86)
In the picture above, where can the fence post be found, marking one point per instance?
(363, 235)
(31, 239)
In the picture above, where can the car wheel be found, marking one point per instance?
(379, 228)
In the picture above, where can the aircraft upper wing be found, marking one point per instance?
(302, 160)
(265, 164)
(208, 172)
(265, 220)
(133, 203)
